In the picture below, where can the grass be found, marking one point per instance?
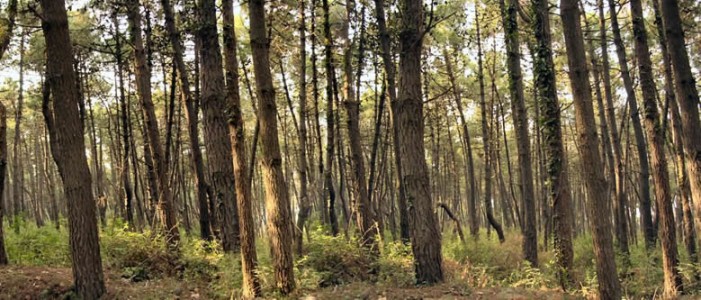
(331, 261)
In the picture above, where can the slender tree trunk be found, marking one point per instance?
(677, 138)
(304, 201)
(485, 141)
(655, 137)
(166, 210)
(470, 170)
(191, 116)
(558, 189)
(389, 65)
(68, 148)
(520, 114)
(643, 179)
(251, 284)
(597, 206)
(686, 92)
(620, 205)
(3, 172)
(279, 219)
(215, 124)
(425, 236)
(329, 192)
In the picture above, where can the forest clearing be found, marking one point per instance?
(350, 149)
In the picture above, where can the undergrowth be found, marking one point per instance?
(330, 261)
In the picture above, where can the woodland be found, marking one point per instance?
(350, 149)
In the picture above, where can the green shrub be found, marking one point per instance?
(44, 246)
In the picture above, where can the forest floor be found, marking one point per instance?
(23, 282)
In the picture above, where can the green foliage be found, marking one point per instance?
(33, 246)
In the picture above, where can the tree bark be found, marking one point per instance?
(390, 72)
(686, 92)
(216, 135)
(68, 149)
(660, 173)
(423, 228)
(191, 116)
(643, 179)
(558, 189)
(520, 115)
(597, 206)
(277, 202)
(166, 210)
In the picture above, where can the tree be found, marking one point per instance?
(643, 179)
(165, 207)
(423, 228)
(304, 201)
(390, 73)
(329, 192)
(518, 108)
(68, 149)
(251, 285)
(686, 92)
(557, 178)
(216, 133)
(488, 207)
(191, 117)
(5, 38)
(597, 206)
(277, 202)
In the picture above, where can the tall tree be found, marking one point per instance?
(165, 207)
(68, 148)
(277, 202)
(520, 114)
(655, 137)
(423, 227)
(329, 192)
(620, 205)
(558, 189)
(488, 207)
(688, 99)
(216, 135)
(5, 37)
(304, 201)
(644, 178)
(677, 133)
(597, 206)
(390, 73)
(191, 117)
(244, 199)
(364, 218)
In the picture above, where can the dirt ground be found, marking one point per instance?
(54, 283)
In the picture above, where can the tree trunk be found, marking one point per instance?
(389, 65)
(677, 138)
(520, 115)
(3, 172)
(485, 141)
(68, 148)
(425, 236)
(166, 210)
(251, 284)
(660, 173)
(329, 192)
(558, 189)
(643, 179)
(686, 92)
(597, 206)
(470, 169)
(215, 124)
(191, 114)
(277, 202)
(620, 205)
